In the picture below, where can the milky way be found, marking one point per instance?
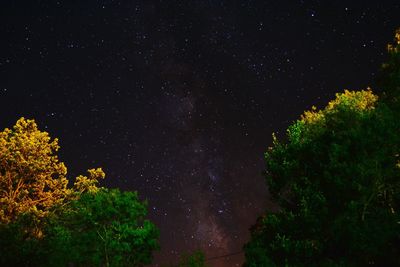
(178, 99)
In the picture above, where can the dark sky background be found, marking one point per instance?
(178, 99)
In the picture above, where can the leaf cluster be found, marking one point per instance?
(43, 222)
(336, 179)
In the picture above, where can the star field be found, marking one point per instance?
(178, 99)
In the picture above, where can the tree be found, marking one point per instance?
(106, 228)
(103, 228)
(44, 222)
(337, 183)
(389, 78)
(32, 179)
(196, 259)
(336, 179)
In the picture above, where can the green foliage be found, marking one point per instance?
(107, 228)
(196, 259)
(336, 179)
(17, 246)
(45, 223)
(390, 75)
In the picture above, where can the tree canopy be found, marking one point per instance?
(389, 79)
(196, 259)
(44, 222)
(336, 178)
(105, 228)
(32, 179)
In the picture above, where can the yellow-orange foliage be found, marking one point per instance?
(395, 48)
(356, 100)
(32, 179)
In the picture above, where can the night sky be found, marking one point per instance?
(178, 100)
